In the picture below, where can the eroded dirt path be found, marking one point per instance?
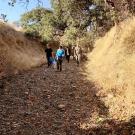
(45, 102)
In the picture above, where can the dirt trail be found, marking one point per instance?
(45, 102)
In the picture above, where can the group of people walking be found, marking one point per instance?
(56, 58)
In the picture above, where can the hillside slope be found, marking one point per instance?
(17, 52)
(112, 67)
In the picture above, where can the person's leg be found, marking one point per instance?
(74, 57)
(68, 58)
(60, 64)
(79, 59)
(48, 62)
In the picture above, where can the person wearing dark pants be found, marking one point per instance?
(48, 51)
(48, 61)
(59, 56)
(68, 58)
(59, 64)
(68, 54)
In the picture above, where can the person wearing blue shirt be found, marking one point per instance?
(59, 56)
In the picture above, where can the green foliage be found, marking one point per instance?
(87, 41)
(69, 37)
(38, 22)
(3, 17)
(70, 19)
(72, 12)
(74, 17)
(47, 30)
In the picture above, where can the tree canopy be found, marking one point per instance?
(38, 22)
(73, 19)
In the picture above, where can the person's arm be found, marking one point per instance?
(66, 52)
(74, 51)
(69, 51)
(57, 55)
(63, 53)
(52, 52)
(46, 53)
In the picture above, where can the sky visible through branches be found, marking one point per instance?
(14, 13)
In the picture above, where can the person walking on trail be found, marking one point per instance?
(73, 52)
(59, 56)
(48, 52)
(77, 54)
(68, 53)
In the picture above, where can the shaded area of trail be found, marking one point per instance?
(45, 102)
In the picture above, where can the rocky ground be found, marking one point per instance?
(45, 102)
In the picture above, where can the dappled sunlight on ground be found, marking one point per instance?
(58, 102)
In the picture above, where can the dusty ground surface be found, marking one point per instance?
(45, 102)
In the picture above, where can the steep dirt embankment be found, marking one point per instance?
(112, 67)
(17, 52)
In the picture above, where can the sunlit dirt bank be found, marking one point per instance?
(112, 67)
(17, 52)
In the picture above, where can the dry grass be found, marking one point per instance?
(17, 52)
(112, 66)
